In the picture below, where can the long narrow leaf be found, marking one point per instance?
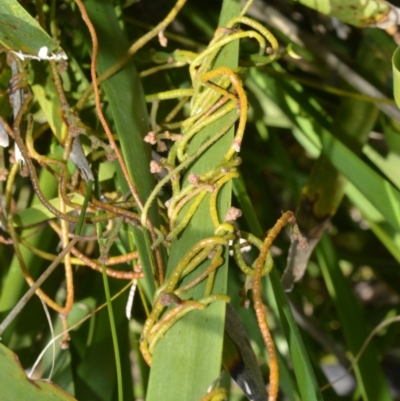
(21, 32)
(314, 127)
(188, 359)
(129, 113)
(373, 387)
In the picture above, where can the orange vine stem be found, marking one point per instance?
(258, 304)
(110, 137)
(133, 49)
(102, 119)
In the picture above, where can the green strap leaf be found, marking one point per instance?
(129, 113)
(396, 76)
(26, 389)
(20, 32)
(356, 12)
(187, 359)
(372, 387)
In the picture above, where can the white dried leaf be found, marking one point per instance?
(18, 154)
(4, 139)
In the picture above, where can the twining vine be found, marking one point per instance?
(216, 93)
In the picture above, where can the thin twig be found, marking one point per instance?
(23, 301)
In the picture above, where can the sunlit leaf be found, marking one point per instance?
(20, 32)
(180, 355)
(396, 76)
(14, 384)
(360, 13)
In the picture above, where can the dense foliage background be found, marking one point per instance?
(322, 139)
